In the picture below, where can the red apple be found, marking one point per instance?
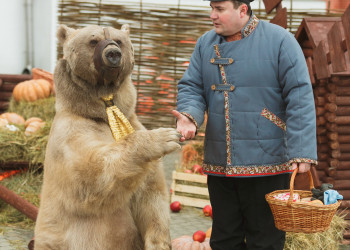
(175, 206)
(197, 169)
(189, 171)
(199, 236)
(207, 210)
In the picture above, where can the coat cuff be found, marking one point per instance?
(191, 118)
(303, 160)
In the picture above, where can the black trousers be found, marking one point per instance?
(242, 218)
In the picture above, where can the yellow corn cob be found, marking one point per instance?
(119, 124)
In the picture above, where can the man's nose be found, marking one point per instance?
(213, 15)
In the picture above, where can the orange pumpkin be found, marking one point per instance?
(186, 243)
(43, 74)
(13, 118)
(32, 119)
(3, 122)
(32, 125)
(32, 90)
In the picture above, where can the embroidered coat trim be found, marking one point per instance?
(247, 30)
(254, 170)
(191, 118)
(274, 118)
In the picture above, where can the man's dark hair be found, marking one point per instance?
(237, 3)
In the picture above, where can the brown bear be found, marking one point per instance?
(98, 192)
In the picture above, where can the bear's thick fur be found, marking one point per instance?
(99, 193)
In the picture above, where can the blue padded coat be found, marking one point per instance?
(259, 99)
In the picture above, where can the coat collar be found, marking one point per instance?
(250, 26)
(247, 29)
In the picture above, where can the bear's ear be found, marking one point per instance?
(63, 32)
(125, 28)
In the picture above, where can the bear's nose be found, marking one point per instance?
(113, 56)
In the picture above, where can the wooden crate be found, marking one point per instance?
(190, 189)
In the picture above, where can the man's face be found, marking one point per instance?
(226, 19)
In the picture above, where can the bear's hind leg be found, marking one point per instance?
(151, 212)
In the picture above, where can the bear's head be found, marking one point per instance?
(100, 56)
(97, 62)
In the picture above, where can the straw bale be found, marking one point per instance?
(16, 146)
(329, 239)
(42, 108)
(26, 184)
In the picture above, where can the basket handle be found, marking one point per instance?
(291, 191)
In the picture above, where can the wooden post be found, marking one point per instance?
(19, 203)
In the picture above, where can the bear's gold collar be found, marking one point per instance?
(119, 124)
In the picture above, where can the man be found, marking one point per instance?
(251, 78)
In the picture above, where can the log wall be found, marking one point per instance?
(327, 55)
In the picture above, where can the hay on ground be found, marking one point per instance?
(327, 240)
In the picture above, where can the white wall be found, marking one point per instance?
(13, 40)
(44, 34)
(20, 50)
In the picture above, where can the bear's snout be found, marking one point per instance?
(113, 56)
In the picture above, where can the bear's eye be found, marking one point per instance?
(93, 42)
(119, 42)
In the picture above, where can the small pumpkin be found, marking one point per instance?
(32, 119)
(186, 243)
(13, 118)
(39, 73)
(3, 122)
(32, 90)
(32, 125)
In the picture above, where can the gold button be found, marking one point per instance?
(212, 60)
(213, 87)
(230, 60)
(232, 88)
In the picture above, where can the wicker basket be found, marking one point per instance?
(300, 217)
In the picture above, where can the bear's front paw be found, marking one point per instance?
(167, 139)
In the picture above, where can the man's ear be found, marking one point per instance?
(63, 33)
(243, 10)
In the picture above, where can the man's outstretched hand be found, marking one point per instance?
(184, 126)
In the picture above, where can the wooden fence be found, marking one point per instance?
(164, 37)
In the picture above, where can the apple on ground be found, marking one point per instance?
(199, 236)
(197, 169)
(207, 210)
(175, 206)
